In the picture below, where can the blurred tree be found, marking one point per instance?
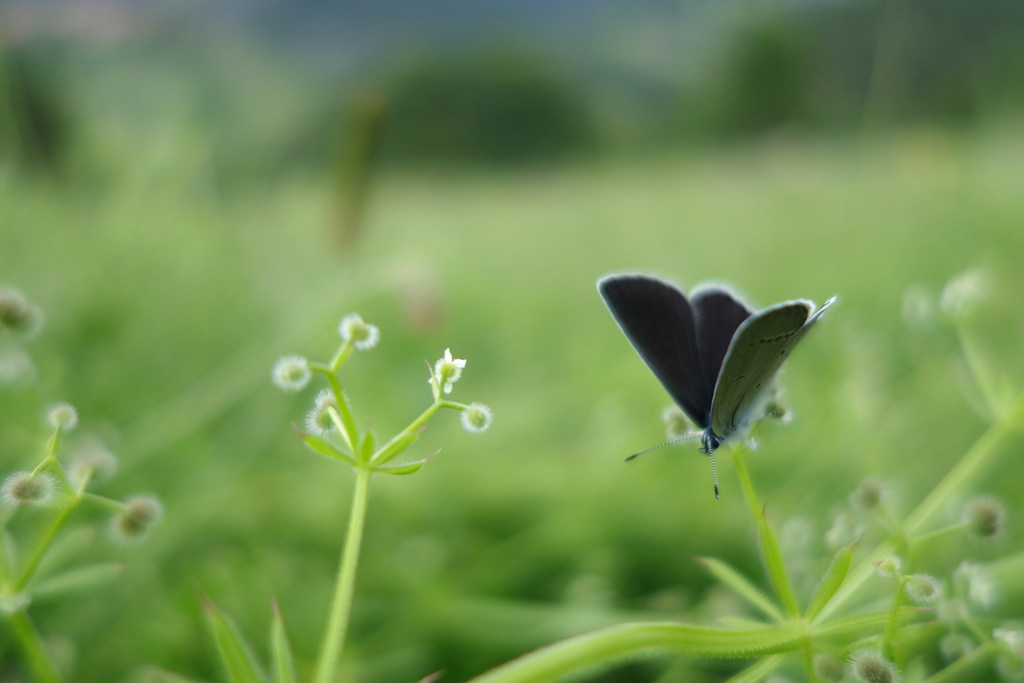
(494, 107)
(34, 127)
(764, 82)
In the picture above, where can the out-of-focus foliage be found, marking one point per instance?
(489, 107)
(194, 243)
(34, 126)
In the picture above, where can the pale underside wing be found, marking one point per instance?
(759, 347)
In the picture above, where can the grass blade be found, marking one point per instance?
(742, 586)
(235, 654)
(774, 565)
(80, 578)
(831, 582)
(282, 660)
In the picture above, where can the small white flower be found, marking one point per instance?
(25, 488)
(62, 416)
(868, 495)
(888, 566)
(916, 306)
(985, 516)
(870, 666)
(954, 646)
(980, 589)
(16, 367)
(676, 422)
(844, 530)
(318, 419)
(828, 667)
(447, 371)
(291, 373)
(963, 292)
(138, 515)
(1012, 638)
(92, 459)
(922, 588)
(18, 315)
(476, 417)
(362, 334)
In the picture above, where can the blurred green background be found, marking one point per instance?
(192, 191)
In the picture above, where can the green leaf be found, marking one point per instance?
(739, 583)
(394, 447)
(774, 565)
(366, 448)
(349, 432)
(282, 660)
(831, 582)
(862, 622)
(80, 578)
(971, 667)
(603, 647)
(325, 447)
(235, 654)
(758, 671)
(405, 467)
(13, 602)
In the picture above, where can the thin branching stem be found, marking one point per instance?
(982, 379)
(739, 453)
(977, 456)
(413, 427)
(32, 648)
(341, 606)
(51, 534)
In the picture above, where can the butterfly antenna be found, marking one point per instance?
(714, 474)
(686, 437)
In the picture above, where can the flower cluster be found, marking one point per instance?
(330, 417)
(53, 482)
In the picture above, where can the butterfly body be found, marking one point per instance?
(714, 355)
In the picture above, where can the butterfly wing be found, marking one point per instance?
(659, 322)
(758, 349)
(717, 313)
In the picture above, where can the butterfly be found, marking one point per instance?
(715, 356)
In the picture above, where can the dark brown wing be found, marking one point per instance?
(717, 313)
(659, 322)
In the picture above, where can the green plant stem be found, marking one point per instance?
(341, 606)
(32, 648)
(982, 379)
(972, 460)
(344, 351)
(103, 501)
(33, 564)
(888, 649)
(936, 534)
(349, 432)
(770, 551)
(968, 667)
(51, 461)
(413, 427)
(608, 645)
(739, 461)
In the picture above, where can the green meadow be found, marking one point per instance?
(169, 294)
